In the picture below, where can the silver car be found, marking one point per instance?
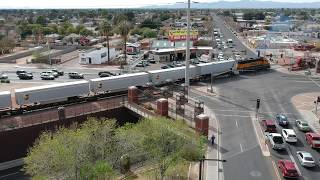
(276, 141)
(3, 76)
(306, 159)
(303, 125)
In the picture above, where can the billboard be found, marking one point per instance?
(181, 34)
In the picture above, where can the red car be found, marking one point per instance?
(288, 169)
(269, 126)
(313, 139)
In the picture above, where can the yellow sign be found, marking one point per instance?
(181, 34)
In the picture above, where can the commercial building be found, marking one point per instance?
(179, 54)
(96, 56)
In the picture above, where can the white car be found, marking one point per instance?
(306, 159)
(53, 73)
(276, 141)
(47, 76)
(289, 135)
(3, 76)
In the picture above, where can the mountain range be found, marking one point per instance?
(241, 4)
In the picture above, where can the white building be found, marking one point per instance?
(96, 56)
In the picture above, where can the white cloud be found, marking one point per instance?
(96, 3)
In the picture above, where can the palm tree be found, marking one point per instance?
(105, 29)
(124, 28)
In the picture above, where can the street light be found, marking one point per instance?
(187, 81)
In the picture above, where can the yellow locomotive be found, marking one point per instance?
(253, 64)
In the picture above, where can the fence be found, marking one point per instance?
(140, 110)
(71, 111)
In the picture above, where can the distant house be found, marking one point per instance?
(133, 48)
(96, 56)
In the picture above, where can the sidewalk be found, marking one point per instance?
(212, 169)
(304, 103)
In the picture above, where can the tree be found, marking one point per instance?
(24, 29)
(105, 29)
(165, 142)
(149, 23)
(149, 33)
(80, 153)
(226, 13)
(37, 32)
(124, 29)
(6, 45)
(41, 20)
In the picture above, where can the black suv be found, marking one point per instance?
(105, 74)
(25, 76)
(60, 73)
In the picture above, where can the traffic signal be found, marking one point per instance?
(258, 103)
(318, 100)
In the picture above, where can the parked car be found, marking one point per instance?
(306, 159)
(60, 73)
(303, 125)
(55, 74)
(152, 61)
(164, 67)
(3, 76)
(288, 169)
(289, 135)
(105, 74)
(171, 65)
(20, 71)
(282, 119)
(141, 64)
(47, 76)
(269, 126)
(313, 139)
(25, 76)
(179, 64)
(276, 141)
(75, 75)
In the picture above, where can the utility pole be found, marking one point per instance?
(187, 83)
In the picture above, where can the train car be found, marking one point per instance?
(5, 101)
(253, 64)
(216, 68)
(161, 76)
(118, 83)
(52, 93)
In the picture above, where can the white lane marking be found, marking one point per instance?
(293, 160)
(236, 110)
(261, 140)
(237, 124)
(314, 81)
(230, 115)
(8, 175)
(276, 169)
(241, 147)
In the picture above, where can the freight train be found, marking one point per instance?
(51, 95)
(253, 64)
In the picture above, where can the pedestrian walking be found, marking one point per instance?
(212, 139)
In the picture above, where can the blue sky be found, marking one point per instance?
(99, 3)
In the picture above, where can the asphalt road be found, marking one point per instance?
(234, 108)
(220, 24)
